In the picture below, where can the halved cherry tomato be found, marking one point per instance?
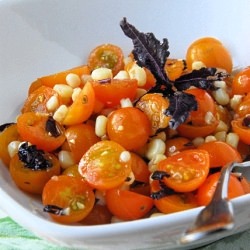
(185, 171)
(60, 77)
(99, 215)
(173, 202)
(72, 171)
(37, 129)
(129, 127)
(174, 68)
(154, 105)
(243, 108)
(206, 190)
(220, 153)
(211, 52)
(177, 144)
(33, 180)
(139, 168)
(113, 91)
(82, 107)
(106, 56)
(241, 82)
(103, 165)
(8, 135)
(243, 131)
(37, 100)
(80, 138)
(70, 193)
(128, 205)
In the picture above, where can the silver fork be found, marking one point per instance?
(218, 214)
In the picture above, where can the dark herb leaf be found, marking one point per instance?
(32, 157)
(203, 78)
(181, 104)
(148, 51)
(52, 127)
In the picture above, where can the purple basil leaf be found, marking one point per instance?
(203, 78)
(148, 51)
(181, 104)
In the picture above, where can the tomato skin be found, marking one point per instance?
(211, 52)
(206, 190)
(32, 128)
(129, 127)
(82, 107)
(241, 82)
(128, 205)
(30, 180)
(174, 202)
(65, 192)
(220, 153)
(187, 170)
(8, 135)
(80, 138)
(174, 68)
(242, 131)
(102, 167)
(111, 93)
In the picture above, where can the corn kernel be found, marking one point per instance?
(73, 80)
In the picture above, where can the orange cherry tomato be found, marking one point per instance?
(173, 202)
(99, 215)
(103, 165)
(72, 171)
(240, 127)
(139, 168)
(129, 127)
(241, 82)
(243, 108)
(206, 190)
(220, 153)
(174, 68)
(30, 179)
(82, 107)
(127, 205)
(8, 135)
(60, 77)
(154, 105)
(185, 171)
(41, 130)
(68, 199)
(112, 92)
(150, 80)
(177, 144)
(106, 56)
(211, 52)
(37, 100)
(80, 138)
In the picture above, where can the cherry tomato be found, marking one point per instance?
(243, 108)
(106, 56)
(37, 100)
(185, 171)
(129, 127)
(241, 82)
(103, 165)
(33, 180)
(8, 135)
(154, 105)
(72, 171)
(150, 80)
(240, 127)
(99, 215)
(206, 190)
(41, 130)
(173, 202)
(174, 68)
(80, 138)
(60, 77)
(177, 144)
(211, 52)
(139, 168)
(127, 205)
(82, 107)
(220, 153)
(68, 193)
(113, 91)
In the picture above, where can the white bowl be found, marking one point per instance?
(42, 37)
